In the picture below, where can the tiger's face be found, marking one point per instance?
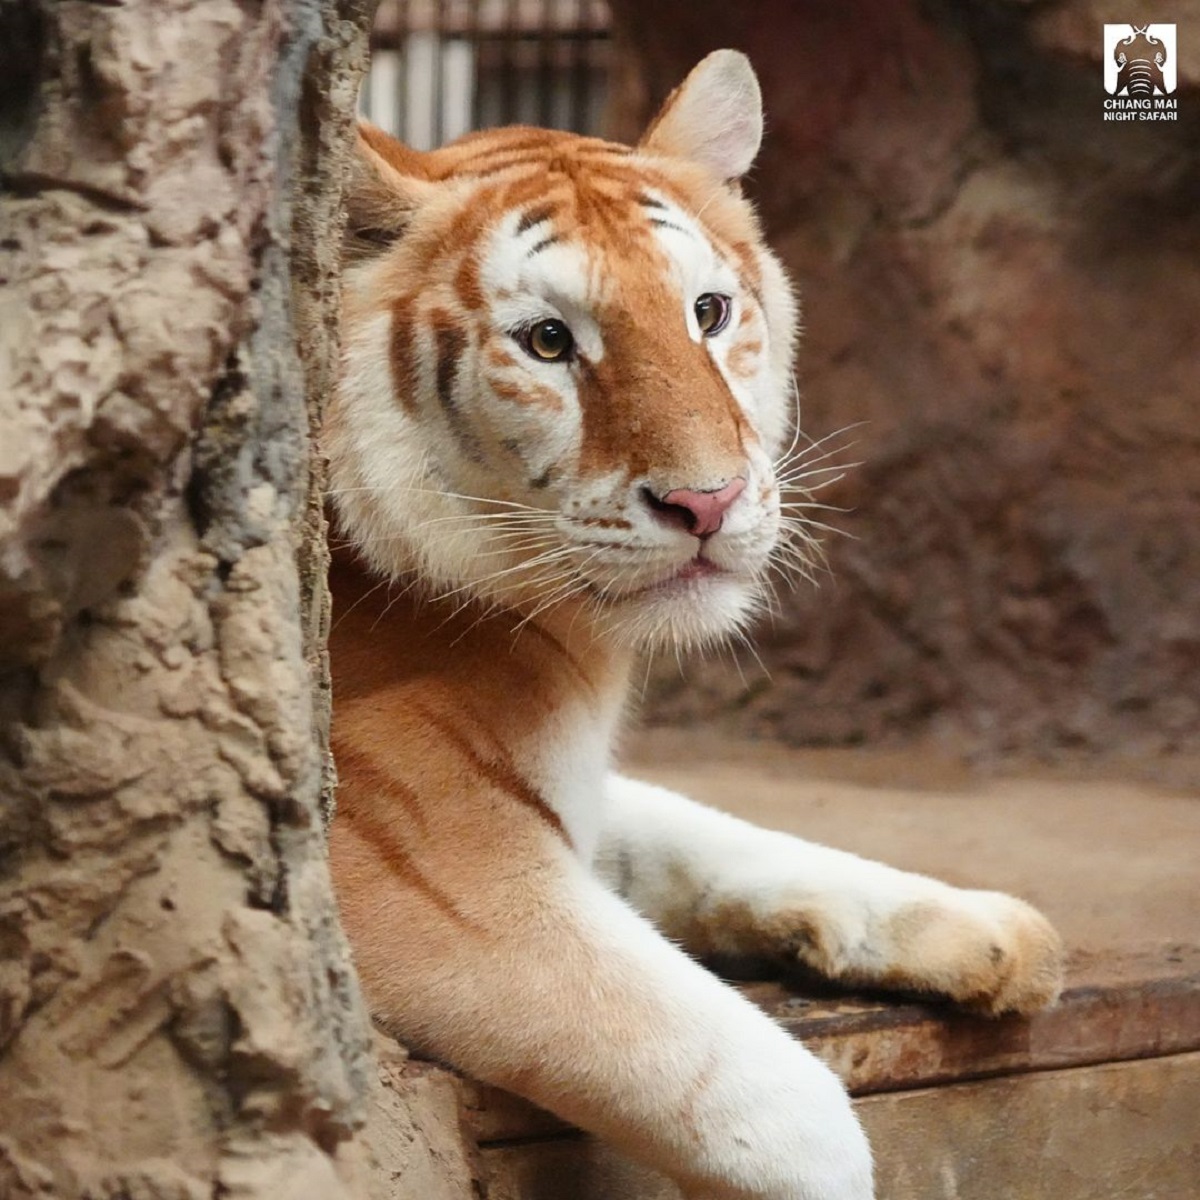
(567, 369)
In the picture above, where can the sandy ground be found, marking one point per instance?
(1114, 862)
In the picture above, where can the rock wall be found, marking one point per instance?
(1000, 294)
(178, 1015)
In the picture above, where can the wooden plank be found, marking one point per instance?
(1122, 1131)
(876, 1046)
(890, 1047)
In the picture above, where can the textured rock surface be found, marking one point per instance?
(419, 1145)
(1000, 290)
(177, 1013)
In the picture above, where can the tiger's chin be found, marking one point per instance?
(690, 609)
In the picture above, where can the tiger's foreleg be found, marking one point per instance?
(538, 979)
(723, 886)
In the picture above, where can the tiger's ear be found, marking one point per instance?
(388, 183)
(714, 117)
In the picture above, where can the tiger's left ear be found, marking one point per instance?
(387, 184)
(714, 117)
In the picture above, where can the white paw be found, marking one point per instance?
(784, 1130)
(822, 1149)
(841, 1169)
(986, 950)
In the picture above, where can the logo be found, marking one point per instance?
(1140, 73)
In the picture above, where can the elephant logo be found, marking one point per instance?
(1139, 60)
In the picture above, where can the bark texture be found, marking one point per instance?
(178, 1018)
(1001, 287)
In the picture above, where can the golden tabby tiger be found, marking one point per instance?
(565, 393)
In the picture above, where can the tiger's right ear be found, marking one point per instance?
(714, 117)
(388, 183)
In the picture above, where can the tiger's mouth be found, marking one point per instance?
(678, 580)
(697, 568)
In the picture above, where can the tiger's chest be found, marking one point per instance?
(570, 766)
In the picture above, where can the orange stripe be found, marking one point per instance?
(550, 640)
(399, 861)
(499, 770)
(364, 771)
(402, 358)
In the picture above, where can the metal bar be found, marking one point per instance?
(581, 53)
(399, 103)
(508, 103)
(545, 63)
(471, 33)
(439, 46)
(458, 71)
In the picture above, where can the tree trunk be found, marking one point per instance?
(178, 1018)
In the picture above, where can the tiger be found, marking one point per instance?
(557, 442)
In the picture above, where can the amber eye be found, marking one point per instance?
(547, 341)
(712, 313)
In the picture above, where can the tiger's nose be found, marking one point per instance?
(700, 513)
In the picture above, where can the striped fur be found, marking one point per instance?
(518, 515)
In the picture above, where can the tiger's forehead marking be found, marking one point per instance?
(547, 175)
(613, 241)
(581, 246)
(533, 217)
(666, 216)
(522, 168)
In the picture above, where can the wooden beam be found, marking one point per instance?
(1122, 1131)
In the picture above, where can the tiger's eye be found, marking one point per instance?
(712, 313)
(549, 341)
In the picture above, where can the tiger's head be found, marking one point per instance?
(567, 368)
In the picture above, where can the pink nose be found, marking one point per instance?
(700, 513)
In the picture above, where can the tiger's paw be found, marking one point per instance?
(985, 950)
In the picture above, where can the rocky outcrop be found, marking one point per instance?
(178, 1016)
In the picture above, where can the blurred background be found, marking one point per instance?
(1001, 296)
(441, 69)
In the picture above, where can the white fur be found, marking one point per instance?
(690, 860)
